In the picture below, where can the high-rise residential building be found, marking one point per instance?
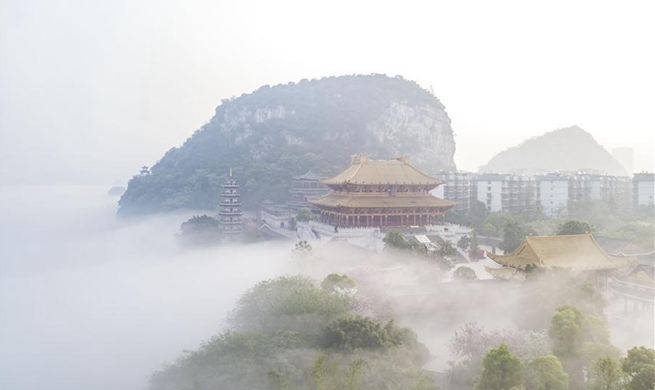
(458, 187)
(552, 193)
(507, 192)
(609, 188)
(643, 189)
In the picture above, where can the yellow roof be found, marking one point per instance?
(579, 252)
(348, 199)
(365, 171)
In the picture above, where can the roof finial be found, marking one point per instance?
(404, 158)
(230, 171)
(359, 158)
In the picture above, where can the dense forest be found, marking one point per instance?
(274, 133)
(290, 333)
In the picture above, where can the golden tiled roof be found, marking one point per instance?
(365, 171)
(579, 252)
(345, 199)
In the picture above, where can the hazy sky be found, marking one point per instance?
(90, 91)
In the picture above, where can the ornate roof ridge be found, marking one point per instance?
(365, 171)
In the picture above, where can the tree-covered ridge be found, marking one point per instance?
(274, 133)
(289, 333)
(569, 149)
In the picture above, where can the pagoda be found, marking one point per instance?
(230, 216)
(576, 252)
(380, 193)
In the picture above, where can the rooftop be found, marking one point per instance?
(364, 171)
(310, 175)
(579, 252)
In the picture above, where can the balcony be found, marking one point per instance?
(227, 222)
(230, 212)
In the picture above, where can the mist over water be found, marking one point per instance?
(89, 302)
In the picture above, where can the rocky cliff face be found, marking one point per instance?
(422, 131)
(274, 133)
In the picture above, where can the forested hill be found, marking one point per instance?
(274, 133)
(568, 149)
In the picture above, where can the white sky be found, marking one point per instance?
(91, 90)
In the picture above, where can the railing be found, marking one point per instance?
(230, 212)
(328, 230)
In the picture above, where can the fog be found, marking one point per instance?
(87, 302)
(91, 302)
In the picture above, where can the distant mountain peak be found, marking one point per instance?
(566, 149)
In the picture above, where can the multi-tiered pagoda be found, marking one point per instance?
(230, 215)
(380, 193)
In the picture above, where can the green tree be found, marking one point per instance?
(606, 374)
(566, 330)
(357, 332)
(501, 370)
(552, 289)
(477, 213)
(513, 234)
(200, 230)
(337, 283)
(475, 244)
(287, 303)
(546, 373)
(495, 222)
(305, 215)
(464, 273)
(574, 227)
(572, 332)
(395, 239)
(447, 249)
(489, 230)
(639, 365)
(464, 242)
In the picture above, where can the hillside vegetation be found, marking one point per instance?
(274, 133)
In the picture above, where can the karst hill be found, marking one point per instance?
(274, 133)
(569, 149)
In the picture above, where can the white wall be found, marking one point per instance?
(553, 195)
(645, 192)
(495, 188)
